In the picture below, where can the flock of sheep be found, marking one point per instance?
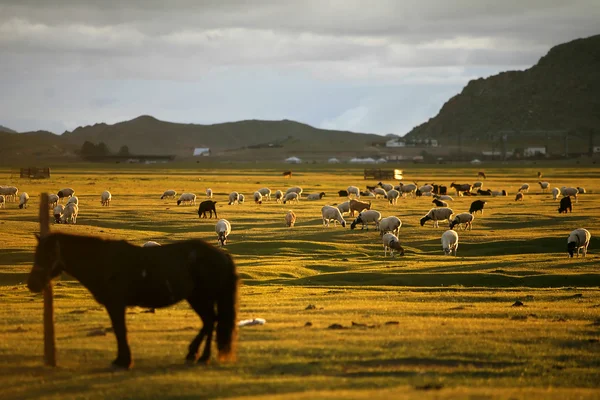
(388, 227)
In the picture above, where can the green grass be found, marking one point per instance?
(455, 333)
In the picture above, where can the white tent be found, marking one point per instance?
(293, 160)
(201, 151)
(367, 160)
(333, 161)
(381, 160)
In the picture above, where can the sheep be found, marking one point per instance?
(569, 191)
(295, 189)
(358, 206)
(353, 190)
(292, 196)
(23, 199)
(581, 190)
(379, 192)
(257, 197)
(385, 186)
(365, 217)
(524, 188)
(209, 193)
(266, 193)
(555, 193)
(544, 186)
(189, 198)
(2, 201)
(52, 200)
(367, 194)
(477, 185)
(332, 213)
(578, 239)
(315, 196)
(73, 199)
(437, 214)
(450, 242)
(58, 211)
(539, 175)
(67, 192)
(497, 193)
(278, 196)
(390, 224)
(234, 198)
(207, 206)
(70, 213)
(343, 193)
(487, 192)
(287, 174)
(409, 188)
(168, 194)
(371, 188)
(439, 189)
(565, 205)
(391, 243)
(460, 188)
(445, 197)
(481, 174)
(425, 190)
(223, 229)
(241, 198)
(344, 207)
(465, 219)
(9, 192)
(392, 196)
(439, 203)
(519, 197)
(151, 243)
(290, 218)
(477, 205)
(105, 198)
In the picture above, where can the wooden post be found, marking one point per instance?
(49, 336)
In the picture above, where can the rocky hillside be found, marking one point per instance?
(560, 92)
(5, 129)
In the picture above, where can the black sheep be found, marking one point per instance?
(565, 204)
(487, 192)
(207, 205)
(477, 205)
(343, 193)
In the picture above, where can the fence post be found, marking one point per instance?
(49, 335)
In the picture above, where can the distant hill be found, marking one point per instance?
(5, 129)
(560, 92)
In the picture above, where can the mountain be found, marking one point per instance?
(559, 93)
(5, 129)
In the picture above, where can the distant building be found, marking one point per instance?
(395, 142)
(357, 160)
(201, 151)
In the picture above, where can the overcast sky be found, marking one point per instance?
(372, 66)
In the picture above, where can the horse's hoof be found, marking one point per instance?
(118, 365)
(203, 361)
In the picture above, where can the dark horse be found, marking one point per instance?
(119, 274)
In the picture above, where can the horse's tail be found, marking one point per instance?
(227, 308)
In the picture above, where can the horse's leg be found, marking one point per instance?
(205, 310)
(117, 317)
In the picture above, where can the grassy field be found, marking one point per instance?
(419, 326)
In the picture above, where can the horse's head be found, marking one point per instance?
(47, 264)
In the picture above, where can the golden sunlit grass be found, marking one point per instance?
(418, 326)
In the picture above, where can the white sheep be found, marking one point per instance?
(292, 196)
(278, 196)
(234, 198)
(2, 201)
(330, 213)
(426, 190)
(555, 193)
(445, 197)
(476, 186)
(241, 198)
(295, 189)
(9, 192)
(391, 243)
(409, 188)
(392, 196)
(380, 192)
(73, 199)
(437, 214)
(105, 198)
(344, 207)
(58, 211)
(52, 200)
(70, 213)
(257, 197)
(151, 243)
(450, 242)
(223, 229)
(209, 193)
(353, 190)
(386, 186)
(544, 186)
(463, 219)
(581, 190)
(266, 193)
(23, 199)
(187, 198)
(66, 192)
(579, 239)
(290, 218)
(524, 188)
(315, 196)
(569, 191)
(390, 224)
(169, 194)
(365, 217)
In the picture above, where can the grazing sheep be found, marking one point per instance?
(477, 185)
(266, 193)
(344, 207)
(408, 188)
(187, 198)
(379, 192)
(2, 201)
(257, 197)
(497, 193)
(365, 217)
(168, 194)
(439, 203)
(371, 188)
(450, 242)
(524, 188)
(295, 189)
(358, 206)
(9, 192)
(461, 188)
(445, 197)
(278, 196)
(353, 190)
(569, 191)
(544, 186)
(70, 213)
(292, 196)
(578, 239)
(385, 186)
(519, 197)
(487, 192)
(437, 214)
(565, 204)
(390, 224)
(463, 219)
(315, 196)
(223, 229)
(477, 205)
(343, 193)
(151, 243)
(580, 190)
(105, 198)
(555, 193)
(290, 218)
(367, 194)
(207, 206)
(67, 192)
(481, 174)
(332, 213)
(392, 196)
(58, 211)
(52, 200)
(209, 193)
(425, 190)
(23, 199)
(241, 198)
(73, 199)
(391, 243)
(234, 198)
